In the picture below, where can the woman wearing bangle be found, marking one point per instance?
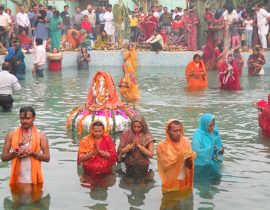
(97, 152)
(137, 145)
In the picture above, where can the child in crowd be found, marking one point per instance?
(248, 23)
(234, 30)
(13, 38)
(86, 25)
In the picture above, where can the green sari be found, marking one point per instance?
(55, 32)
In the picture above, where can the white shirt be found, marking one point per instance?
(8, 82)
(102, 21)
(26, 169)
(157, 38)
(248, 24)
(230, 17)
(4, 19)
(40, 55)
(109, 24)
(178, 13)
(262, 23)
(22, 19)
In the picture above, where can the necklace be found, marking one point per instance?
(26, 138)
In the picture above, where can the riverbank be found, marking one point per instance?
(145, 58)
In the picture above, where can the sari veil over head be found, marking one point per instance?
(171, 158)
(206, 144)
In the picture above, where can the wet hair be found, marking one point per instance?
(39, 41)
(25, 109)
(196, 56)
(6, 66)
(158, 29)
(56, 14)
(174, 122)
(98, 123)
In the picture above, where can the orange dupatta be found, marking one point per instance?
(35, 164)
(113, 99)
(131, 58)
(88, 142)
(197, 81)
(170, 161)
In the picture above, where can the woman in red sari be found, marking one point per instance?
(25, 41)
(150, 25)
(239, 61)
(97, 152)
(191, 22)
(228, 74)
(264, 116)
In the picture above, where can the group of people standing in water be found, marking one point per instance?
(229, 66)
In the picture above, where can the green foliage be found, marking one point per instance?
(121, 18)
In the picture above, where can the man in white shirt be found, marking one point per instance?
(230, 16)
(101, 18)
(8, 83)
(263, 26)
(156, 41)
(5, 23)
(39, 58)
(109, 23)
(23, 21)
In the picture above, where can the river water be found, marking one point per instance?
(245, 173)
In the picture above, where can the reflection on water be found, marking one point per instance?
(244, 181)
(27, 196)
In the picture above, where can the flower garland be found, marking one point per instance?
(80, 123)
(107, 121)
(113, 118)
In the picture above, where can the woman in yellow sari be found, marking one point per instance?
(128, 85)
(130, 57)
(175, 160)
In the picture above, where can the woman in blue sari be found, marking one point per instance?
(207, 143)
(11, 59)
(20, 73)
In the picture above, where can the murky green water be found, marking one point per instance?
(245, 172)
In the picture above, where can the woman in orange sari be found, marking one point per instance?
(72, 37)
(130, 57)
(175, 160)
(97, 152)
(196, 75)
